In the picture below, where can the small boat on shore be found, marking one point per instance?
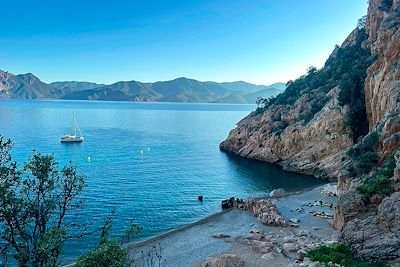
(73, 138)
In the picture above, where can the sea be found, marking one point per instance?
(148, 162)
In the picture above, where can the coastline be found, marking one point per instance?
(210, 218)
(192, 244)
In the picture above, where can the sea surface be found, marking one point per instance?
(148, 161)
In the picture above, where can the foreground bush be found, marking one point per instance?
(108, 254)
(340, 254)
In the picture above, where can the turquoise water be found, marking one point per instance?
(148, 161)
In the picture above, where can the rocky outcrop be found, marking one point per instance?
(376, 234)
(226, 260)
(314, 148)
(267, 213)
(371, 227)
(350, 205)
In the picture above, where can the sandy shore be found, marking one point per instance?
(193, 244)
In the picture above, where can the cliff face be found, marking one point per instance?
(371, 226)
(313, 148)
(382, 87)
(306, 133)
(279, 133)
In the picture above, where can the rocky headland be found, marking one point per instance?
(342, 123)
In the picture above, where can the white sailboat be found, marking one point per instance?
(73, 138)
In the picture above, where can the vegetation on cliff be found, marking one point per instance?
(378, 182)
(363, 155)
(346, 68)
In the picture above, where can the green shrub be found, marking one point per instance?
(364, 156)
(366, 162)
(108, 254)
(378, 183)
(340, 254)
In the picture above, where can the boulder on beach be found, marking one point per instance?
(226, 260)
(278, 193)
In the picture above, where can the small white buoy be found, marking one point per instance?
(148, 149)
(141, 152)
(88, 159)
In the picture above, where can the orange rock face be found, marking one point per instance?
(382, 86)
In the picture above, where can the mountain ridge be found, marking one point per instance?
(28, 86)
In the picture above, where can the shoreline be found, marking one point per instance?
(192, 244)
(211, 217)
(203, 232)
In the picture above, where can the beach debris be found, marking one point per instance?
(278, 193)
(200, 198)
(321, 214)
(226, 260)
(221, 236)
(320, 203)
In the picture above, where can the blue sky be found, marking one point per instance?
(259, 41)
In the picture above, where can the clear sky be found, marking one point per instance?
(259, 41)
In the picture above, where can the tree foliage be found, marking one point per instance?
(34, 204)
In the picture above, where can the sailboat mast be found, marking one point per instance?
(74, 122)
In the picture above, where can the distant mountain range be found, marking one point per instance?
(28, 86)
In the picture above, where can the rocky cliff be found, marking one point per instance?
(322, 134)
(372, 225)
(304, 129)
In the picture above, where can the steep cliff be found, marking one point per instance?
(352, 133)
(368, 211)
(304, 129)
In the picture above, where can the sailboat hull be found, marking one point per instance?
(72, 141)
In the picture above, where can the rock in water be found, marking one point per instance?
(227, 260)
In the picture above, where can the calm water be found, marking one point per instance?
(158, 188)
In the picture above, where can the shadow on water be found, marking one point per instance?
(272, 176)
